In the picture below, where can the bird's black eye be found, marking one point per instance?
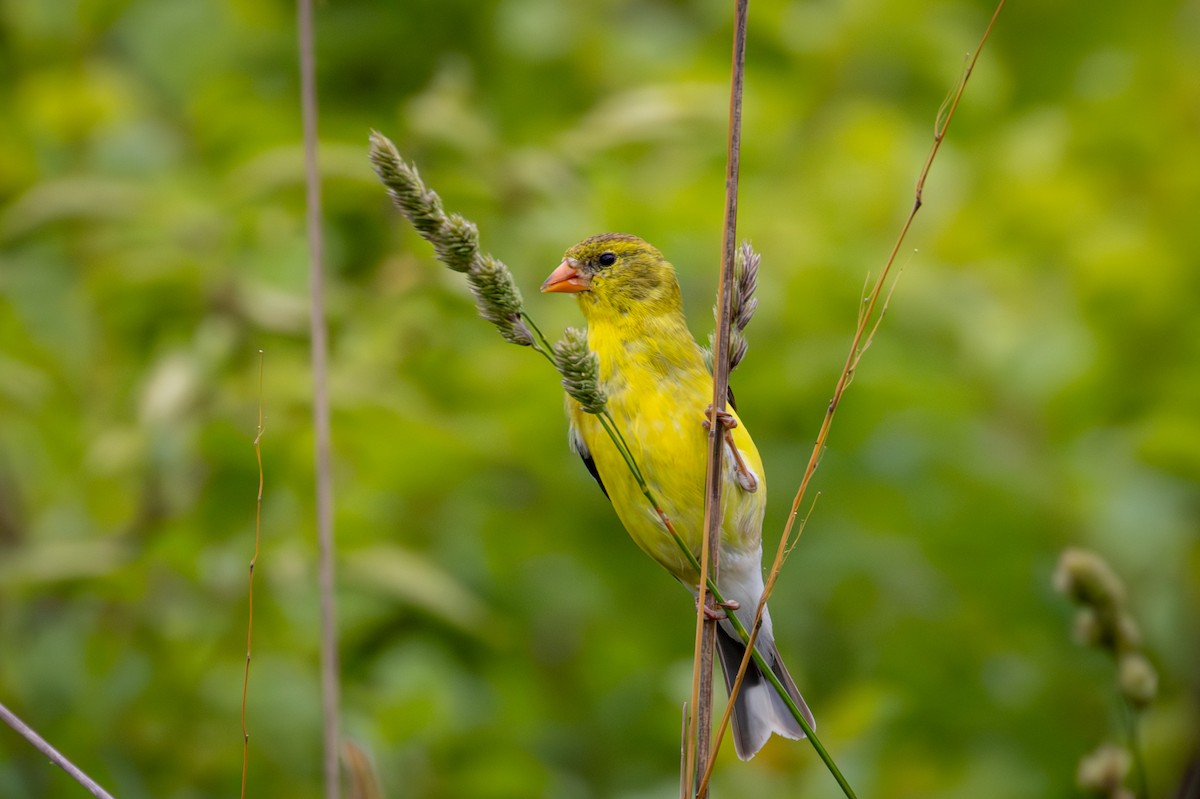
(607, 258)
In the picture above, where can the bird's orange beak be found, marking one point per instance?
(567, 279)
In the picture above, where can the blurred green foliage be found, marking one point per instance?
(1035, 385)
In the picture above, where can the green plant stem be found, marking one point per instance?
(614, 433)
(540, 343)
(618, 440)
(766, 670)
(1135, 747)
(610, 426)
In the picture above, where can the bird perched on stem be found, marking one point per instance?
(659, 389)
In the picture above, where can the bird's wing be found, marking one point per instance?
(579, 446)
(729, 397)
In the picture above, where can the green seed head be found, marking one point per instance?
(580, 369)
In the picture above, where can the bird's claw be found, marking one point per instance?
(728, 420)
(720, 611)
(745, 477)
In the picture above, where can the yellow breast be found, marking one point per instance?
(659, 388)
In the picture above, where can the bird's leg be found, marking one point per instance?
(745, 477)
(720, 610)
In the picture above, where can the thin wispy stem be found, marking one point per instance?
(322, 454)
(250, 580)
(868, 323)
(56, 757)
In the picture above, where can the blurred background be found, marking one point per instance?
(1035, 385)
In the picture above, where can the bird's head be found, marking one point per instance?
(616, 273)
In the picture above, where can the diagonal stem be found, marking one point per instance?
(752, 651)
(861, 333)
(714, 592)
(864, 332)
(43, 746)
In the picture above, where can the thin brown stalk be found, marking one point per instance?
(322, 454)
(250, 586)
(868, 324)
(39, 743)
(706, 628)
(683, 752)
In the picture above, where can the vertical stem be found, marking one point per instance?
(324, 480)
(250, 578)
(710, 547)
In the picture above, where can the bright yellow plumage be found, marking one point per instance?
(659, 388)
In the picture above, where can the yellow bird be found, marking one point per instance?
(659, 390)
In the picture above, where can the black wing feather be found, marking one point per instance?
(585, 455)
(590, 463)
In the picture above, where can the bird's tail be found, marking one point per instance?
(758, 710)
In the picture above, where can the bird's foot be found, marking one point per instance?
(720, 610)
(728, 421)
